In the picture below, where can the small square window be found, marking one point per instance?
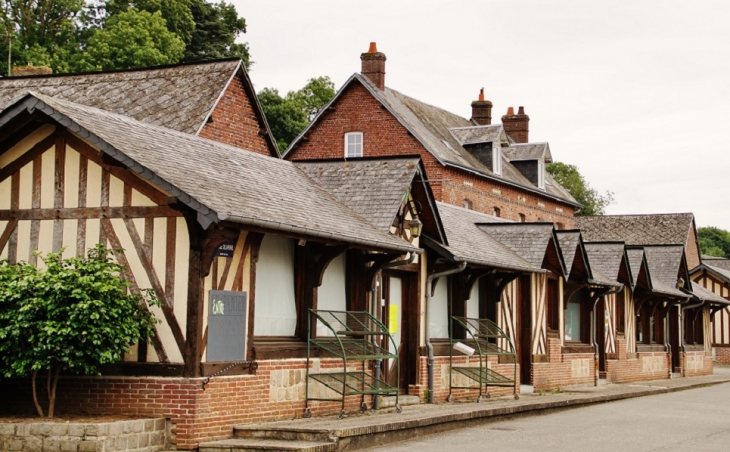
(353, 144)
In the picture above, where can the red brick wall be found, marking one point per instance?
(722, 355)
(234, 121)
(441, 379)
(384, 136)
(700, 365)
(197, 415)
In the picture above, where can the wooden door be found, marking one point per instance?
(399, 298)
(524, 320)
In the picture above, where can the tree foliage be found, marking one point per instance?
(289, 115)
(570, 178)
(74, 315)
(72, 35)
(714, 241)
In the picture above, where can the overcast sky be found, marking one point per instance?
(635, 93)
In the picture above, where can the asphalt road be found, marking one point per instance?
(693, 420)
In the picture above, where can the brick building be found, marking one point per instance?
(490, 168)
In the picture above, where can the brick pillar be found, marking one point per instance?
(373, 66)
(517, 125)
(481, 110)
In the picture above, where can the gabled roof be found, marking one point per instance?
(472, 134)
(433, 127)
(608, 257)
(656, 229)
(528, 151)
(180, 97)
(666, 264)
(639, 267)
(576, 264)
(468, 242)
(374, 188)
(534, 242)
(719, 272)
(709, 296)
(719, 262)
(218, 181)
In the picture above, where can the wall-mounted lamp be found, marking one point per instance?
(680, 282)
(416, 227)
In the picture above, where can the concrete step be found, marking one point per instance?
(676, 375)
(403, 400)
(602, 382)
(266, 445)
(301, 433)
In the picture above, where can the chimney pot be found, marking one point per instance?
(517, 125)
(481, 110)
(373, 66)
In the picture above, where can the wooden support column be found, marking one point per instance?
(194, 327)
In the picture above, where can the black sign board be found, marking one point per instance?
(225, 250)
(227, 324)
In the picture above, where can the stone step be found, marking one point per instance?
(266, 445)
(403, 400)
(302, 433)
(676, 375)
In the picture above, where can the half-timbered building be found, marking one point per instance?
(713, 274)
(238, 246)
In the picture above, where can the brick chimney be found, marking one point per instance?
(517, 125)
(481, 110)
(19, 71)
(373, 66)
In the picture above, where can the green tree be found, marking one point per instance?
(289, 115)
(217, 26)
(131, 39)
(714, 241)
(40, 31)
(177, 13)
(73, 316)
(570, 178)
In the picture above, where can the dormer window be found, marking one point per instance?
(353, 145)
(497, 160)
(540, 175)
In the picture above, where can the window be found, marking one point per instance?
(540, 175)
(577, 325)
(620, 312)
(497, 160)
(553, 305)
(559, 226)
(496, 212)
(353, 144)
(438, 310)
(467, 204)
(522, 218)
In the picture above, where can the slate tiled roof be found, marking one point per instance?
(528, 240)
(469, 243)
(664, 268)
(528, 151)
(178, 97)
(606, 258)
(723, 273)
(479, 134)
(719, 262)
(440, 132)
(658, 229)
(707, 295)
(636, 263)
(375, 189)
(221, 182)
(569, 243)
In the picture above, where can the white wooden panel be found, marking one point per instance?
(332, 295)
(25, 198)
(71, 180)
(438, 310)
(3, 224)
(23, 254)
(93, 187)
(275, 313)
(182, 265)
(5, 199)
(47, 178)
(116, 191)
(472, 304)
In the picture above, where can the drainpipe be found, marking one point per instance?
(667, 343)
(429, 346)
(594, 339)
(376, 304)
(681, 322)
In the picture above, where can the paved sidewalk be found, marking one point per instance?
(385, 426)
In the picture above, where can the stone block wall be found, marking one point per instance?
(143, 435)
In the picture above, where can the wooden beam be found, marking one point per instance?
(84, 213)
(108, 230)
(194, 327)
(59, 185)
(9, 228)
(39, 148)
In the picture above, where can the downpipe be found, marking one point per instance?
(429, 346)
(376, 304)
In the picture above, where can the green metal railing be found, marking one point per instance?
(354, 337)
(484, 336)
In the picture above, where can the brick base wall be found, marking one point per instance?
(643, 367)
(696, 363)
(721, 355)
(441, 379)
(197, 414)
(561, 370)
